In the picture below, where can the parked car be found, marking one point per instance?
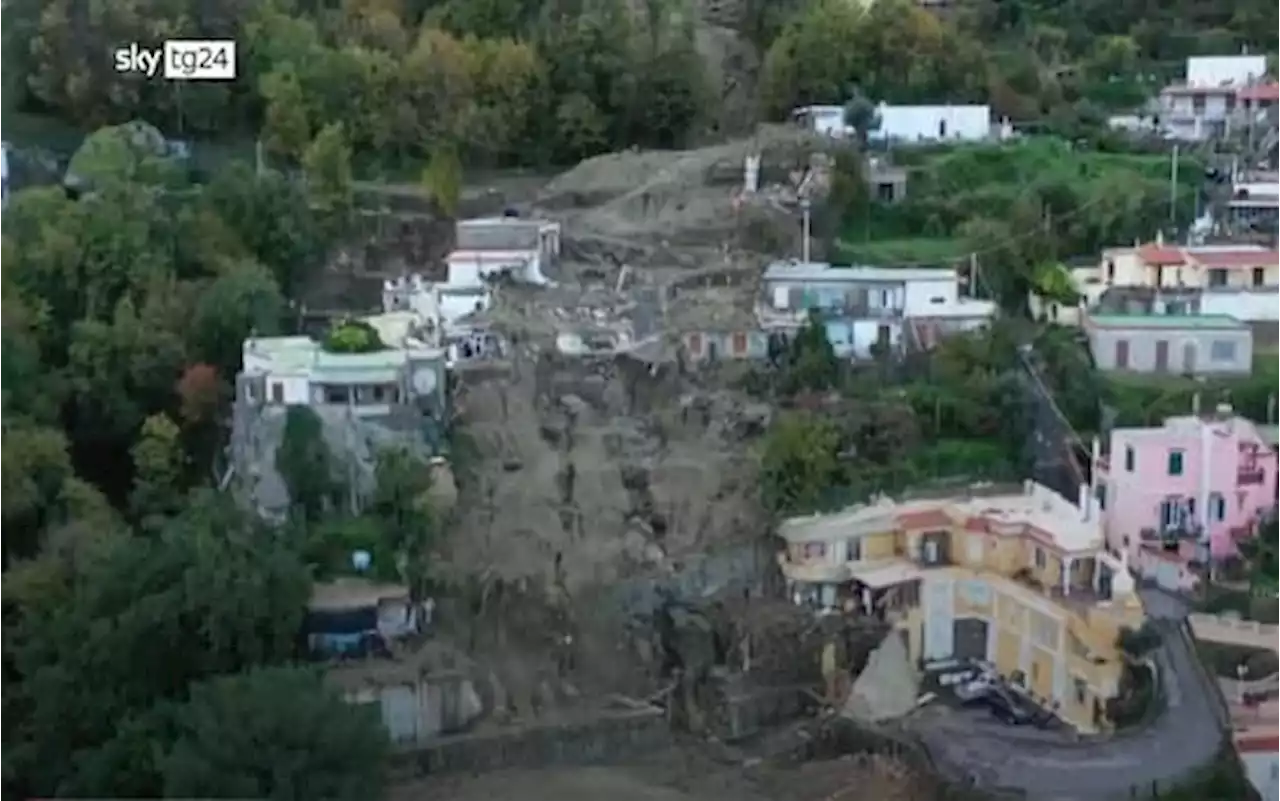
(1003, 706)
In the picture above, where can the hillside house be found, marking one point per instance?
(868, 308)
(1217, 92)
(1197, 480)
(1016, 577)
(1194, 345)
(1241, 281)
(907, 124)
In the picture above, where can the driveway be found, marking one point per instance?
(1187, 733)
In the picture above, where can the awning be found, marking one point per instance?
(887, 573)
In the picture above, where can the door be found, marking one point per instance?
(1189, 358)
(969, 636)
(939, 633)
(739, 343)
(1122, 354)
(1162, 356)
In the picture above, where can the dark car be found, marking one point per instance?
(1003, 706)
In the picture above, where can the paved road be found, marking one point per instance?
(1186, 734)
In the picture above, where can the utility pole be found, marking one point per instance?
(1173, 186)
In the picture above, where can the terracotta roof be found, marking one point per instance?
(1161, 255)
(1260, 92)
(927, 518)
(1233, 258)
(1257, 744)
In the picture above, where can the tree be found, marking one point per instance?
(243, 301)
(401, 501)
(1137, 643)
(327, 166)
(209, 594)
(799, 464)
(199, 394)
(442, 180)
(287, 128)
(861, 114)
(275, 733)
(353, 336)
(1260, 552)
(158, 469)
(305, 463)
(812, 363)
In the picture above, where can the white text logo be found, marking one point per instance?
(180, 60)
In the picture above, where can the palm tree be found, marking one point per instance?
(861, 115)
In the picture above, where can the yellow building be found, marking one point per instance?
(1021, 580)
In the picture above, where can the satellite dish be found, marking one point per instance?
(424, 382)
(360, 561)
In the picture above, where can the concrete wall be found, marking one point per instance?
(1189, 350)
(608, 737)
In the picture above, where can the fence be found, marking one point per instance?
(1228, 629)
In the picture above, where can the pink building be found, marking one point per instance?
(1165, 487)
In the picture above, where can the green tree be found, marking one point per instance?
(276, 733)
(1261, 554)
(242, 301)
(287, 127)
(442, 180)
(353, 336)
(305, 463)
(138, 622)
(812, 364)
(800, 463)
(401, 501)
(861, 114)
(327, 166)
(159, 470)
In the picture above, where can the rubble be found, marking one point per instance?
(888, 687)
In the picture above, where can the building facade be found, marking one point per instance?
(866, 310)
(1217, 93)
(1170, 344)
(909, 124)
(1019, 578)
(1199, 480)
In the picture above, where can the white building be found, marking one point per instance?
(490, 246)
(287, 371)
(933, 123)
(1217, 92)
(869, 307)
(908, 123)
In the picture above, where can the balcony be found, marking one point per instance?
(1251, 478)
(769, 315)
(1172, 536)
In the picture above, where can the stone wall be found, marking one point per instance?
(610, 736)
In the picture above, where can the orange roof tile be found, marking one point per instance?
(1161, 255)
(927, 518)
(1222, 259)
(1262, 92)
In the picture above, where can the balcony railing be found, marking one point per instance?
(1172, 535)
(1251, 478)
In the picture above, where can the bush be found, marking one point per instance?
(353, 336)
(1138, 699)
(1224, 659)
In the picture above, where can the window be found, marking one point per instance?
(1129, 458)
(814, 550)
(975, 548)
(1259, 277)
(852, 549)
(1175, 463)
(1044, 630)
(277, 392)
(1222, 350)
(1241, 497)
(1082, 691)
(1040, 558)
(1102, 496)
(942, 129)
(1111, 271)
(1217, 278)
(1122, 354)
(1217, 506)
(976, 593)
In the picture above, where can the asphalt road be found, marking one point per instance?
(1185, 735)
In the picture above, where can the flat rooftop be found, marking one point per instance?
(1168, 322)
(822, 271)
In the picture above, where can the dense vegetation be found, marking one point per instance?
(150, 626)
(508, 81)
